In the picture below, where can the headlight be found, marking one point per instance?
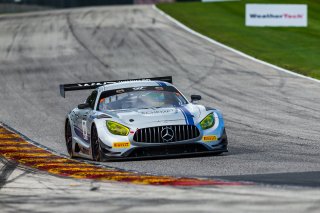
(117, 129)
(207, 122)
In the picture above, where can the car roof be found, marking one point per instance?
(128, 84)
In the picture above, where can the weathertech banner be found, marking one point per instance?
(277, 15)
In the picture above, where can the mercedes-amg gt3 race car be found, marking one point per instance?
(141, 118)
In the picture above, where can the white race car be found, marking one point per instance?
(141, 118)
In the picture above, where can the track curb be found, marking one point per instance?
(15, 147)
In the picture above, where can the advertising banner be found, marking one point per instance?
(277, 15)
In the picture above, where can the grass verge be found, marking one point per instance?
(293, 48)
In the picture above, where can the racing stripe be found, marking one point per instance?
(188, 115)
(184, 115)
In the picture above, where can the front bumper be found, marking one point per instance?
(168, 150)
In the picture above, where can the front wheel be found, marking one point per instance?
(68, 137)
(95, 144)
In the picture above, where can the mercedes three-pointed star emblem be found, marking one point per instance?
(167, 134)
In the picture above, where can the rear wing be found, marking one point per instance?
(94, 85)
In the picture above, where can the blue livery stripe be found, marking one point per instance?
(188, 116)
(161, 84)
(185, 117)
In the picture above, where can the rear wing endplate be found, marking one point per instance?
(94, 85)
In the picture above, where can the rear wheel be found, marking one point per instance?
(95, 144)
(68, 137)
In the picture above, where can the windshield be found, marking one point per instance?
(140, 97)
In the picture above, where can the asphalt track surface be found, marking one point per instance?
(23, 190)
(272, 118)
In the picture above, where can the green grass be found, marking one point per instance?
(293, 48)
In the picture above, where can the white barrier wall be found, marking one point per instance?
(277, 15)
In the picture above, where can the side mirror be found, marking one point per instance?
(83, 106)
(195, 98)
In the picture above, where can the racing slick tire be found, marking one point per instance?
(68, 138)
(224, 142)
(95, 145)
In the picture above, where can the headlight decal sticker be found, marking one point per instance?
(208, 122)
(17, 148)
(117, 128)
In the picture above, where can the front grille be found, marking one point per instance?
(165, 134)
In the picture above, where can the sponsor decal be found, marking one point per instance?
(152, 112)
(119, 145)
(209, 138)
(284, 15)
(277, 15)
(110, 82)
(93, 84)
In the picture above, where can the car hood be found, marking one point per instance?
(188, 114)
